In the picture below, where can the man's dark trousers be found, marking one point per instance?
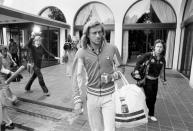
(37, 73)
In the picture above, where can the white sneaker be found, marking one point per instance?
(152, 118)
(13, 98)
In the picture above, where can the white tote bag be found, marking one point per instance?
(131, 109)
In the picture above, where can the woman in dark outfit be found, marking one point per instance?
(155, 68)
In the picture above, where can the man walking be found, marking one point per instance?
(96, 56)
(13, 49)
(37, 51)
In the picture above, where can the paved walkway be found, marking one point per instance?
(174, 107)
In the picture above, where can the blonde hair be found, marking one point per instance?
(92, 23)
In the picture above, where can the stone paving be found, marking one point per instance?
(41, 118)
(174, 106)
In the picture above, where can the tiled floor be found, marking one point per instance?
(174, 106)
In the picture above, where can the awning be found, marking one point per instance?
(12, 16)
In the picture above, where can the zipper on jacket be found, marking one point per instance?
(99, 73)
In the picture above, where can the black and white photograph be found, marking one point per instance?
(101, 65)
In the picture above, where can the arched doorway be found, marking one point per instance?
(51, 34)
(144, 22)
(98, 11)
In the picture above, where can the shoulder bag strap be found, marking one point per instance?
(147, 64)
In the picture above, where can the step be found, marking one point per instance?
(31, 116)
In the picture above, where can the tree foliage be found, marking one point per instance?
(56, 14)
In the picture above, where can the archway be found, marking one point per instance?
(54, 13)
(143, 23)
(98, 11)
(51, 35)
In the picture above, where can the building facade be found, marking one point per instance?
(131, 25)
(18, 25)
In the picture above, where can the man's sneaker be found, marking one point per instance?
(14, 100)
(152, 118)
(15, 103)
(46, 94)
(10, 126)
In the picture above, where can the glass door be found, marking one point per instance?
(51, 43)
(187, 52)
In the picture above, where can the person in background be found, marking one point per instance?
(76, 43)
(7, 61)
(155, 68)
(13, 49)
(7, 58)
(96, 58)
(37, 51)
(5, 121)
(70, 49)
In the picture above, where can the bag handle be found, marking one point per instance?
(125, 82)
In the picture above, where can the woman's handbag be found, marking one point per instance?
(130, 105)
(142, 69)
(142, 72)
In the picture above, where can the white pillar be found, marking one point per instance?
(5, 36)
(125, 46)
(191, 75)
(176, 47)
(62, 42)
(118, 36)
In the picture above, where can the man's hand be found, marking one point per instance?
(33, 34)
(78, 108)
(6, 83)
(57, 58)
(137, 76)
(106, 78)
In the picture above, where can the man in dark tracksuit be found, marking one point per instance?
(37, 51)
